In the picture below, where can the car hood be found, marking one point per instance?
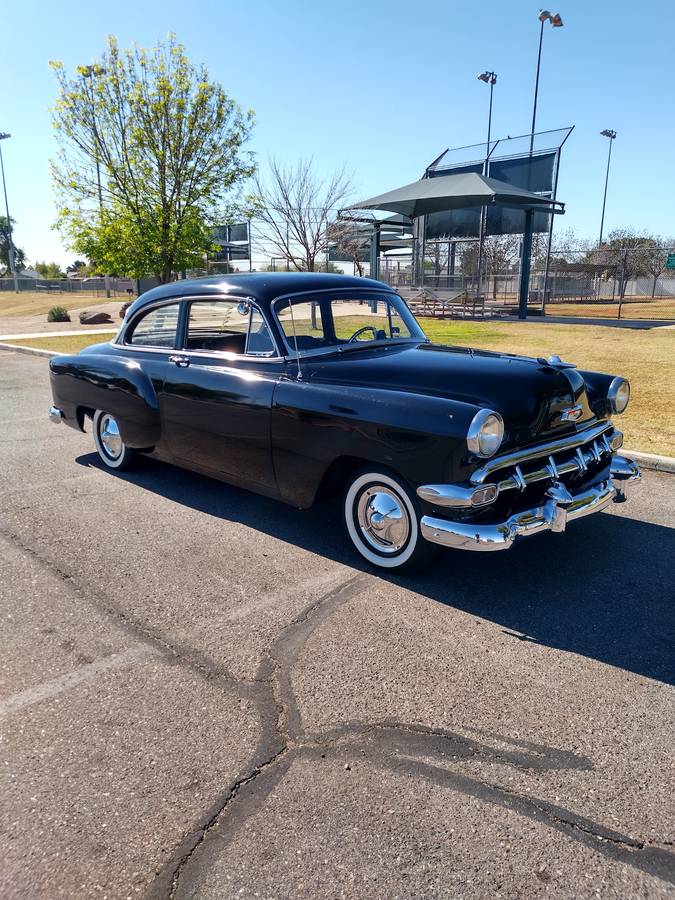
(529, 394)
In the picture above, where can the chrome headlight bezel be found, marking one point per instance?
(615, 393)
(477, 440)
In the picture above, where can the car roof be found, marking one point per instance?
(263, 287)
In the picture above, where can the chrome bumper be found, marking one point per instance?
(560, 508)
(55, 415)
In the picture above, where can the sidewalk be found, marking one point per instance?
(48, 334)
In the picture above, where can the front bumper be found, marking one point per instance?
(559, 508)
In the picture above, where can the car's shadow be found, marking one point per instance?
(603, 590)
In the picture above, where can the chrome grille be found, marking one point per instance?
(558, 465)
(550, 461)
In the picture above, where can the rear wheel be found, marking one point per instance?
(382, 521)
(109, 444)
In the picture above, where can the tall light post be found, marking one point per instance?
(491, 79)
(608, 133)
(10, 246)
(556, 22)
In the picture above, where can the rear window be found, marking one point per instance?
(157, 328)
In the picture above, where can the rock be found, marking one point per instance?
(94, 318)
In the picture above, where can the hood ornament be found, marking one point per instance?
(554, 360)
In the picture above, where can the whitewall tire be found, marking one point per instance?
(112, 450)
(382, 522)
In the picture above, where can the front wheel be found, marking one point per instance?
(382, 522)
(109, 444)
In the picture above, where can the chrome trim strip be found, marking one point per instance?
(551, 516)
(517, 457)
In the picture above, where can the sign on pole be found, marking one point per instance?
(670, 261)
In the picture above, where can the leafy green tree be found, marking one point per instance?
(19, 255)
(150, 154)
(49, 270)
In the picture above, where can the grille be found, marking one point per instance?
(556, 465)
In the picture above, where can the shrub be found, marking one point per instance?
(58, 314)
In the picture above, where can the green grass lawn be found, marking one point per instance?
(646, 357)
(34, 303)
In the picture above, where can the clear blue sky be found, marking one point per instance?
(380, 85)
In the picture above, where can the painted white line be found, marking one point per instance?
(49, 689)
(265, 601)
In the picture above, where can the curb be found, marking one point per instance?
(32, 351)
(650, 461)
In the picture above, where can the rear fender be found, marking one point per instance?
(118, 386)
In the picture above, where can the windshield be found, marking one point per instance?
(324, 321)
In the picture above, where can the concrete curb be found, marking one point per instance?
(647, 460)
(651, 460)
(32, 351)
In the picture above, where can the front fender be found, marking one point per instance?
(118, 386)
(422, 437)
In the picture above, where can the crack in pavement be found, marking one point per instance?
(405, 753)
(175, 654)
(397, 746)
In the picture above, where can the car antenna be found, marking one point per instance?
(295, 341)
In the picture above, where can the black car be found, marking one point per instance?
(296, 385)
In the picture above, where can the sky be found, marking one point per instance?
(380, 86)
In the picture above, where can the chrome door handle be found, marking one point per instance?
(181, 361)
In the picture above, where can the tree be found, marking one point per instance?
(19, 255)
(49, 270)
(150, 151)
(295, 209)
(350, 240)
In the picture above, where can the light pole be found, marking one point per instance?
(491, 79)
(608, 133)
(556, 22)
(10, 246)
(95, 71)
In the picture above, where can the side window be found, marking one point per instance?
(304, 326)
(156, 328)
(259, 341)
(227, 326)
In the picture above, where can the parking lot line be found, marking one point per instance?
(89, 672)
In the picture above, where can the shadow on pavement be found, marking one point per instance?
(603, 589)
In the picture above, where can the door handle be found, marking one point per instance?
(181, 361)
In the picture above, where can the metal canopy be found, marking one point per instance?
(430, 195)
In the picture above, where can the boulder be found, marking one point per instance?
(94, 318)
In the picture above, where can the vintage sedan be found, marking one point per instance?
(303, 385)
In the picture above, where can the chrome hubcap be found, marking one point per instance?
(110, 437)
(383, 519)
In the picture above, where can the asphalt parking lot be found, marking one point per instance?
(203, 694)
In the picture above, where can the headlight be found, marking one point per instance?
(485, 434)
(618, 395)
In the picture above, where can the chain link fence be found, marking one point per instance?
(607, 283)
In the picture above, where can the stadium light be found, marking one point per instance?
(608, 133)
(556, 22)
(10, 246)
(491, 79)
